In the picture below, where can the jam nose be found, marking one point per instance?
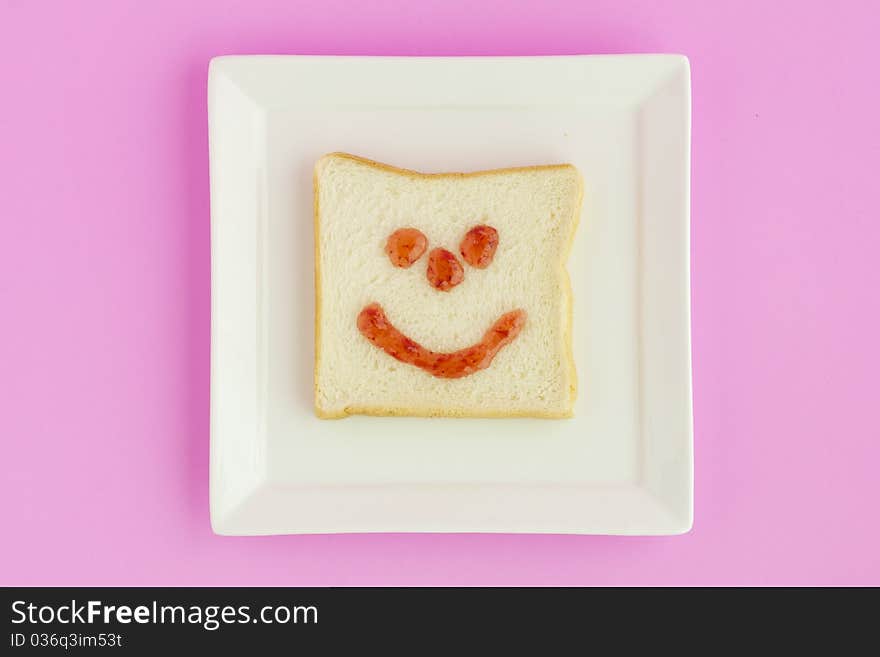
(444, 270)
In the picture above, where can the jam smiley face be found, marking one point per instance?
(443, 272)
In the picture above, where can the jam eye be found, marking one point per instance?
(405, 246)
(478, 246)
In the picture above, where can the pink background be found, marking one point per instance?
(104, 277)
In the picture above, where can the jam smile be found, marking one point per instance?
(375, 327)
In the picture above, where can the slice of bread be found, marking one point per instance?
(470, 337)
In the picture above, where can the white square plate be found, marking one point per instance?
(623, 465)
